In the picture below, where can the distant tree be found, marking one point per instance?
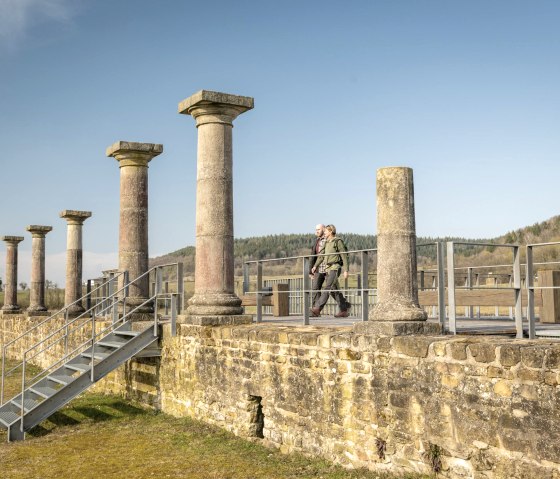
(23, 285)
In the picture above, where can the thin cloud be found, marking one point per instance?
(18, 16)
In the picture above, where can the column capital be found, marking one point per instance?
(38, 231)
(13, 239)
(215, 107)
(75, 217)
(130, 153)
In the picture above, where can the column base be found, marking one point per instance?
(398, 328)
(215, 320)
(397, 310)
(75, 310)
(36, 312)
(11, 309)
(134, 302)
(214, 304)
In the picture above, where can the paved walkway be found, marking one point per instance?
(494, 326)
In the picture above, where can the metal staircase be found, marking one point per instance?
(74, 362)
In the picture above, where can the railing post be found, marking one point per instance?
(23, 389)
(365, 285)
(88, 295)
(245, 278)
(166, 292)
(174, 301)
(259, 291)
(180, 287)
(441, 283)
(529, 281)
(517, 286)
(92, 377)
(3, 375)
(306, 291)
(470, 309)
(66, 332)
(451, 287)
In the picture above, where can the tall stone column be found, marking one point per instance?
(37, 294)
(74, 253)
(214, 296)
(10, 286)
(133, 161)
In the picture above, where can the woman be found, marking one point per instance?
(336, 259)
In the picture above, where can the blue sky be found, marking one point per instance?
(465, 93)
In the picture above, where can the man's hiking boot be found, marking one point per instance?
(315, 312)
(342, 314)
(348, 305)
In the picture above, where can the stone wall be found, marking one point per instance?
(486, 407)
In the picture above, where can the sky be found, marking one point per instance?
(465, 93)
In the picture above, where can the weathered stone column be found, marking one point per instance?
(37, 294)
(10, 285)
(397, 310)
(214, 300)
(133, 161)
(73, 290)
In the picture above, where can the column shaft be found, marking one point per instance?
(10, 287)
(37, 293)
(397, 285)
(133, 226)
(214, 113)
(74, 254)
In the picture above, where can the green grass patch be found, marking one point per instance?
(105, 436)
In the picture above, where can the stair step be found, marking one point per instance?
(7, 418)
(28, 403)
(126, 333)
(61, 379)
(43, 391)
(99, 356)
(77, 367)
(111, 344)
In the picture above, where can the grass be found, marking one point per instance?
(105, 436)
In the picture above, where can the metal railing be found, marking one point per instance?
(113, 306)
(451, 287)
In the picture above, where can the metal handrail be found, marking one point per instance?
(116, 297)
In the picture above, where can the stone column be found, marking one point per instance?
(10, 285)
(214, 300)
(133, 161)
(397, 310)
(73, 290)
(37, 294)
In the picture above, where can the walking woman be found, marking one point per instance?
(336, 259)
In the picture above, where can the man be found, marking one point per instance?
(319, 276)
(329, 268)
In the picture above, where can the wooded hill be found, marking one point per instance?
(286, 245)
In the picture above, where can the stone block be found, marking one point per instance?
(483, 352)
(397, 328)
(412, 346)
(533, 357)
(509, 355)
(552, 358)
(218, 320)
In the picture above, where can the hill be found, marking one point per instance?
(287, 245)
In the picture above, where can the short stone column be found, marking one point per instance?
(74, 253)
(10, 285)
(397, 310)
(133, 161)
(37, 305)
(214, 300)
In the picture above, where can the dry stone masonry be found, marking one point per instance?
(10, 290)
(74, 253)
(37, 305)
